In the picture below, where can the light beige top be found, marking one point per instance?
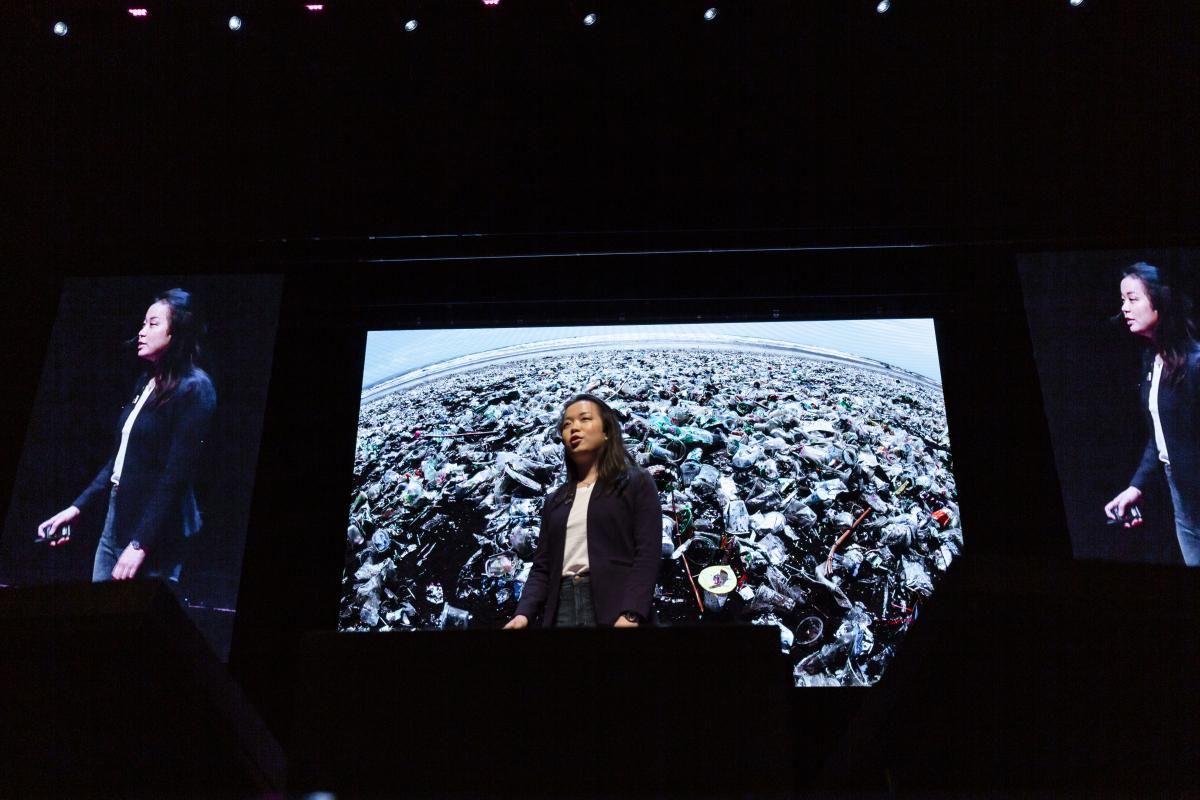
(1159, 439)
(119, 463)
(575, 552)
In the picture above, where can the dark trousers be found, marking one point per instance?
(575, 603)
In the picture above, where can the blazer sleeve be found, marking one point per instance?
(191, 418)
(99, 486)
(533, 594)
(1148, 467)
(647, 542)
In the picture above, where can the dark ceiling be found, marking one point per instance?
(938, 120)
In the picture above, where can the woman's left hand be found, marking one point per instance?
(624, 623)
(128, 563)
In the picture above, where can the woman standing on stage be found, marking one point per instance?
(1171, 396)
(598, 553)
(149, 480)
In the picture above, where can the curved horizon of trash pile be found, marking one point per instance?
(825, 489)
(667, 338)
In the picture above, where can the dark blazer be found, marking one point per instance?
(624, 537)
(1179, 413)
(156, 501)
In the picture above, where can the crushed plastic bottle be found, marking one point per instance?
(381, 541)
(499, 566)
(898, 536)
(714, 602)
(413, 493)
(809, 630)
(707, 480)
(737, 518)
(799, 514)
(766, 598)
(746, 456)
(369, 615)
(452, 617)
(434, 594)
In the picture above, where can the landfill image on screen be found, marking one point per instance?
(805, 465)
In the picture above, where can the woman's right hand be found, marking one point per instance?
(516, 623)
(1119, 506)
(50, 526)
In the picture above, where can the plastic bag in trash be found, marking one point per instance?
(828, 491)
(770, 522)
(737, 518)
(916, 577)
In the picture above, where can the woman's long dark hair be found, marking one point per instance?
(182, 356)
(1174, 337)
(613, 458)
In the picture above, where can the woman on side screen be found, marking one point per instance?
(148, 482)
(1171, 396)
(598, 554)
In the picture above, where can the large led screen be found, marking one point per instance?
(802, 476)
(1114, 338)
(140, 456)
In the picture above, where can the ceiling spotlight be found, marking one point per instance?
(589, 20)
(235, 23)
(139, 12)
(1076, 2)
(410, 26)
(491, 2)
(710, 15)
(314, 7)
(883, 6)
(60, 28)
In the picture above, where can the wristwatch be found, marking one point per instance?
(632, 617)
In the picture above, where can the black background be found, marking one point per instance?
(351, 156)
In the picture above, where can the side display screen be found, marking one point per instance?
(140, 456)
(801, 478)
(1114, 337)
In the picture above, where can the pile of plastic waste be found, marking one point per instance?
(820, 492)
